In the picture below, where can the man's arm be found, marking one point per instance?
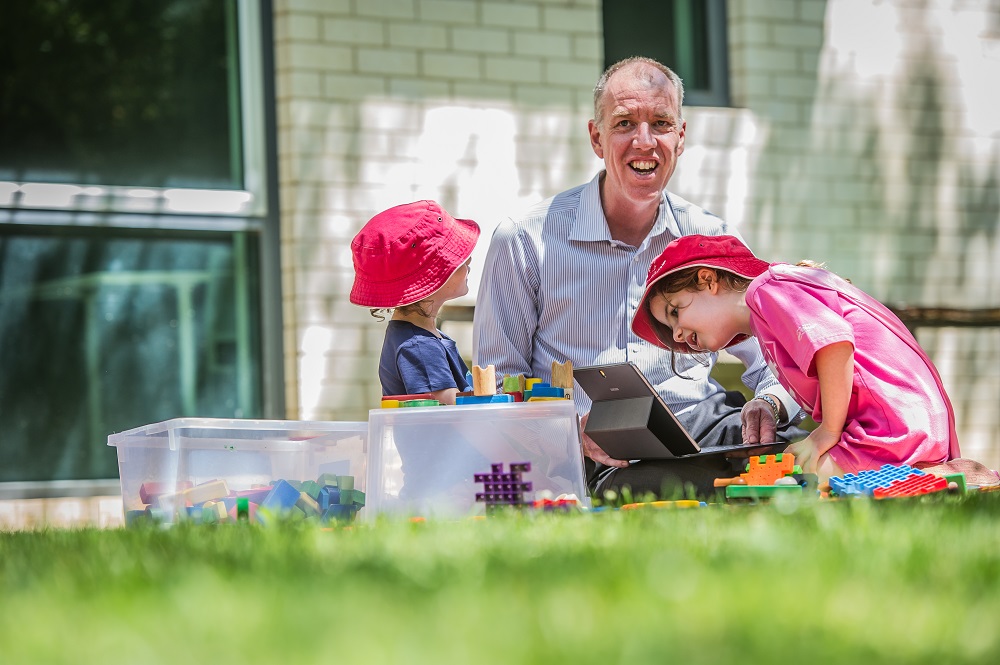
(758, 378)
(506, 314)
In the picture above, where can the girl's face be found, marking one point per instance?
(704, 320)
(457, 285)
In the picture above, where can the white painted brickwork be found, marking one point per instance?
(863, 133)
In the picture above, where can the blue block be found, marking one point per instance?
(283, 496)
(538, 390)
(328, 496)
(484, 399)
(866, 482)
(340, 512)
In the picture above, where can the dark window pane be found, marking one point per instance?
(689, 36)
(119, 92)
(100, 334)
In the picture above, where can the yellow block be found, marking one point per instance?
(390, 404)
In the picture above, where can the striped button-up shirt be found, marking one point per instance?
(557, 287)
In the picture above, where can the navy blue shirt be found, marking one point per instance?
(415, 360)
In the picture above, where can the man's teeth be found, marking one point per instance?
(644, 166)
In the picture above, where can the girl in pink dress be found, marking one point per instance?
(842, 355)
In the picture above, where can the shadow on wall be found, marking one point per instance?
(895, 182)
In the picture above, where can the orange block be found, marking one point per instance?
(765, 469)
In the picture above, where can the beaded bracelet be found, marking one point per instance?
(773, 403)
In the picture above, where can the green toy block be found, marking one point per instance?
(345, 482)
(760, 491)
(327, 480)
(312, 488)
(352, 497)
(959, 479)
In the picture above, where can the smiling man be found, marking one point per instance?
(562, 281)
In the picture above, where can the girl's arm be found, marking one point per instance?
(835, 371)
(446, 396)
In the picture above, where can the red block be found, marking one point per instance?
(912, 485)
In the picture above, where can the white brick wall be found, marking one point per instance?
(863, 134)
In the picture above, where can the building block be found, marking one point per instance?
(513, 383)
(328, 496)
(328, 480)
(484, 380)
(256, 494)
(407, 398)
(307, 504)
(213, 489)
(149, 491)
(765, 469)
(214, 511)
(865, 482)
(281, 497)
(761, 491)
(244, 510)
(912, 485)
(683, 503)
(959, 480)
(419, 402)
(345, 482)
(390, 404)
(484, 399)
(542, 390)
(504, 489)
(562, 377)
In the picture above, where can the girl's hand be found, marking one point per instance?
(808, 451)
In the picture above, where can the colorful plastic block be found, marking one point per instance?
(484, 399)
(504, 489)
(761, 491)
(865, 482)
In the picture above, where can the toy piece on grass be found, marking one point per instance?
(683, 503)
(766, 476)
(889, 481)
(562, 377)
(484, 380)
(503, 489)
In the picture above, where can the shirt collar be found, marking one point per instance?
(591, 225)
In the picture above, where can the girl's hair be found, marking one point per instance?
(687, 280)
(420, 308)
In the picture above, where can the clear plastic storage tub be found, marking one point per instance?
(217, 470)
(423, 460)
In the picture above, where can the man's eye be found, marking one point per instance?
(622, 123)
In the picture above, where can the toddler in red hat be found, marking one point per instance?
(841, 354)
(408, 261)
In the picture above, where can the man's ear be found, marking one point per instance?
(709, 278)
(595, 138)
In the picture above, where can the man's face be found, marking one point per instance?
(639, 136)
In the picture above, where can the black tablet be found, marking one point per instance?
(630, 421)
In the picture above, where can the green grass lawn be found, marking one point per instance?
(906, 581)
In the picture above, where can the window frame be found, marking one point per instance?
(254, 208)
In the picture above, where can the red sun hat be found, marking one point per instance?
(719, 252)
(406, 253)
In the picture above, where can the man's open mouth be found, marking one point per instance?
(643, 166)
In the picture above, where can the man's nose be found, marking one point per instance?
(643, 136)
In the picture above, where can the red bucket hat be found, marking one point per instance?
(719, 252)
(406, 253)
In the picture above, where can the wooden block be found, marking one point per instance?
(213, 489)
(484, 380)
(562, 374)
(513, 383)
(307, 504)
